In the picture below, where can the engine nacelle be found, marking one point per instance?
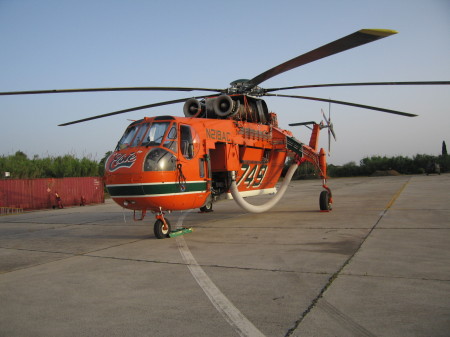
(219, 107)
(193, 108)
(225, 106)
(236, 107)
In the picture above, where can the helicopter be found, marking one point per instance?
(228, 145)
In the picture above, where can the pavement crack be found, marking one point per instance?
(396, 277)
(67, 255)
(201, 265)
(91, 254)
(37, 251)
(339, 271)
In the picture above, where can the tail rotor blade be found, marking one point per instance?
(329, 112)
(329, 141)
(324, 117)
(332, 132)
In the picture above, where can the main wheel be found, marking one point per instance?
(207, 208)
(324, 201)
(160, 233)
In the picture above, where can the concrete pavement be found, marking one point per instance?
(377, 265)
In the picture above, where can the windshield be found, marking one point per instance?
(155, 135)
(127, 137)
(140, 134)
(145, 133)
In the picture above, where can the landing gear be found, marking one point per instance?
(325, 201)
(161, 227)
(207, 207)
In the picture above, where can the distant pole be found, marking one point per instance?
(444, 148)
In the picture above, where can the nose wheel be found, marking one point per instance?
(161, 227)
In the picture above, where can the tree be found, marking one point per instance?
(21, 167)
(444, 148)
(101, 164)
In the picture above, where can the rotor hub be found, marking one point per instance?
(245, 86)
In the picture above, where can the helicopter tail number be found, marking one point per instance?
(252, 176)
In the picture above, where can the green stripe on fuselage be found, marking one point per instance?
(157, 189)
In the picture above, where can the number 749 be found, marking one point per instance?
(253, 175)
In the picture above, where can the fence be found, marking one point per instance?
(42, 193)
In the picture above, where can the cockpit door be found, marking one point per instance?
(194, 165)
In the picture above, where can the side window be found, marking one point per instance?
(187, 145)
(171, 139)
(201, 165)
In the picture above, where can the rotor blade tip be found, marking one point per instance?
(379, 32)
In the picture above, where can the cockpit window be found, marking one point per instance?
(140, 134)
(186, 141)
(146, 134)
(155, 135)
(127, 137)
(189, 141)
(159, 159)
(171, 139)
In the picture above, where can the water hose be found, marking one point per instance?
(269, 204)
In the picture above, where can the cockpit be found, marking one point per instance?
(161, 137)
(149, 134)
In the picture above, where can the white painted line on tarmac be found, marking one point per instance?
(232, 315)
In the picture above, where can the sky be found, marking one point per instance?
(54, 44)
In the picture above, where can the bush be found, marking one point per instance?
(377, 164)
(21, 167)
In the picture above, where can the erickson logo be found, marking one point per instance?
(122, 160)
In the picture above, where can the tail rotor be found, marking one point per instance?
(329, 125)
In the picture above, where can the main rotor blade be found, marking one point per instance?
(395, 112)
(59, 91)
(359, 84)
(356, 39)
(132, 109)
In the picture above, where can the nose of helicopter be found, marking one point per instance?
(151, 179)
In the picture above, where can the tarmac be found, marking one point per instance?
(378, 264)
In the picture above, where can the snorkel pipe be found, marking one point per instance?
(269, 204)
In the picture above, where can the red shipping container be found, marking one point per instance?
(42, 193)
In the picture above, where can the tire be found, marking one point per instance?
(324, 201)
(207, 208)
(159, 231)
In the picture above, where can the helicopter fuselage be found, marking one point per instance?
(170, 163)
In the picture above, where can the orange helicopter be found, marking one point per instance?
(228, 145)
